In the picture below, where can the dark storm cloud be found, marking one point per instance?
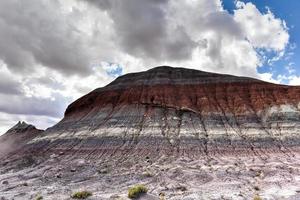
(38, 33)
(142, 29)
(9, 86)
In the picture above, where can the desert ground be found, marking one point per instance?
(57, 176)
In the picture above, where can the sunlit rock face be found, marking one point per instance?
(179, 111)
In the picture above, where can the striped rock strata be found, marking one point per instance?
(176, 111)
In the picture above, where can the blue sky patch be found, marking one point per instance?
(287, 64)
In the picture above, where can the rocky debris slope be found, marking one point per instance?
(178, 111)
(16, 137)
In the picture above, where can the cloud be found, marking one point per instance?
(46, 33)
(196, 34)
(262, 30)
(32, 105)
(142, 30)
(52, 52)
(67, 36)
(294, 80)
(221, 43)
(9, 86)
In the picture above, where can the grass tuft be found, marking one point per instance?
(81, 195)
(136, 191)
(256, 197)
(39, 198)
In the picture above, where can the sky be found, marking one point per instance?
(53, 52)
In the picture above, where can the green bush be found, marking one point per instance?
(136, 191)
(39, 198)
(81, 195)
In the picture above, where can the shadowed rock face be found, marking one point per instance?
(16, 137)
(169, 110)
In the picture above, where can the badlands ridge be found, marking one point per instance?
(186, 133)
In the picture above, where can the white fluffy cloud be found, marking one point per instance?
(294, 80)
(52, 52)
(262, 30)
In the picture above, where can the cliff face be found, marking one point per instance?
(177, 110)
(16, 137)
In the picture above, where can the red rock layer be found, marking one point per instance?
(238, 97)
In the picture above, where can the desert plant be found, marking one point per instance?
(39, 198)
(162, 196)
(136, 191)
(256, 197)
(81, 195)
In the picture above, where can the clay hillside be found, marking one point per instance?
(179, 111)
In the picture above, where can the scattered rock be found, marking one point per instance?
(115, 197)
(5, 182)
(103, 171)
(25, 184)
(181, 188)
(53, 156)
(256, 188)
(147, 174)
(73, 170)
